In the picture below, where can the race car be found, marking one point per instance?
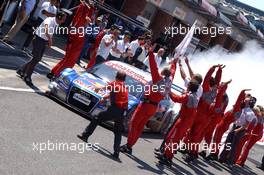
(78, 90)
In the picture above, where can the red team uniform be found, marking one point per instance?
(202, 118)
(217, 111)
(75, 41)
(250, 140)
(151, 100)
(185, 120)
(229, 117)
(98, 40)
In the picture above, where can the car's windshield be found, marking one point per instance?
(108, 73)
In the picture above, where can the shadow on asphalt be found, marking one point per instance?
(199, 166)
(58, 41)
(144, 166)
(107, 154)
(18, 59)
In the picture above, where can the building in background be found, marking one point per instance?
(156, 14)
(246, 22)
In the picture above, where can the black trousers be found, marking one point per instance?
(30, 36)
(262, 163)
(233, 139)
(39, 46)
(99, 59)
(111, 57)
(111, 114)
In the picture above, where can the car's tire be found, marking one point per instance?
(48, 93)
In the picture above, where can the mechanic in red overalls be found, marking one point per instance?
(223, 125)
(250, 139)
(75, 41)
(98, 40)
(160, 88)
(216, 113)
(210, 86)
(189, 101)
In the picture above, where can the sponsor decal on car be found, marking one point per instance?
(128, 71)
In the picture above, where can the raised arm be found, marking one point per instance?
(173, 68)
(154, 68)
(218, 75)
(239, 100)
(220, 95)
(206, 82)
(179, 98)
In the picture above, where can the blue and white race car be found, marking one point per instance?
(78, 90)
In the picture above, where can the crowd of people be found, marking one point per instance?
(203, 114)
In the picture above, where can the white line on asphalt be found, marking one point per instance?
(20, 90)
(58, 50)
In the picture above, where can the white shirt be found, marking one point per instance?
(158, 60)
(29, 6)
(52, 24)
(200, 88)
(121, 46)
(133, 46)
(38, 8)
(47, 7)
(246, 116)
(143, 55)
(103, 50)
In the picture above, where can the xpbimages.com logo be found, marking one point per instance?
(80, 31)
(183, 30)
(42, 147)
(172, 147)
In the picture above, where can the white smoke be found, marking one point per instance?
(245, 68)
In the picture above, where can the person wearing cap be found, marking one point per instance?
(119, 103)
(48, 9)
(160, 89)
(240, 127)
(121, 47)
(75, 42)
(90, 36)
(43, 37)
